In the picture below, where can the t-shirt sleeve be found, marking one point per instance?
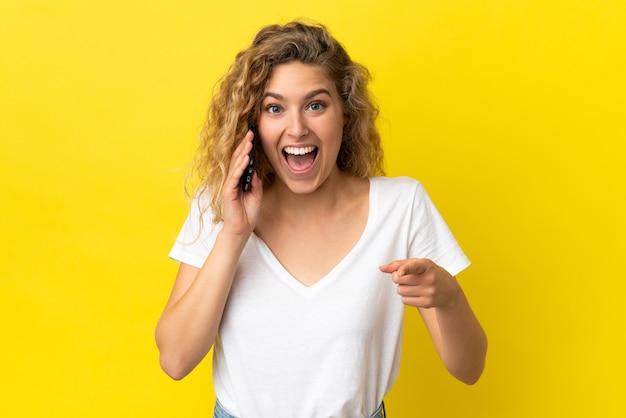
(430, 236)
(196, 237)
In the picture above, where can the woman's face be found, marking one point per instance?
(301, 126)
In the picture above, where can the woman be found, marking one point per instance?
(300, 283)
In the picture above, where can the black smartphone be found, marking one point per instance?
(246, 178)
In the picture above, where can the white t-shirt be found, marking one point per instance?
(332, 349)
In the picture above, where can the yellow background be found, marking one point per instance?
(512, 113)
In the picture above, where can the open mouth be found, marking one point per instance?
(300, 158)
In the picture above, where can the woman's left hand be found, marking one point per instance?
(423, 284)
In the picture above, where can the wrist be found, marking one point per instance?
(456, 296)
(236, 239)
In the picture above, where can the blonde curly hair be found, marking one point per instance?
(236, 105)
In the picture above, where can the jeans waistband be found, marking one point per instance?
(220, 412)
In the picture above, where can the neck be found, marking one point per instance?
(325, 199)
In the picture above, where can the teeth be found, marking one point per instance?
(299, 150)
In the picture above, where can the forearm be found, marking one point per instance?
(459, 338)
(188, 326)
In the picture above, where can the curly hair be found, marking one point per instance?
(236, 105)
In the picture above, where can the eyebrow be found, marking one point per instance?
(308, 96)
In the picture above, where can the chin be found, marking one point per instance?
(302, 189)
(303, 186)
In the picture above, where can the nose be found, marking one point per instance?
(297, 126)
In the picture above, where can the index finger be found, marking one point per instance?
(414, 266)
(391, 267)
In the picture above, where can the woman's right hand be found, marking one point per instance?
(190, 321)
(241, 209)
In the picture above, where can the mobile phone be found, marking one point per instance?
(246, 178)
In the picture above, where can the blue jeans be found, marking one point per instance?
(220, 412)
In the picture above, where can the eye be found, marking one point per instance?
(316, 106)
(273, 109)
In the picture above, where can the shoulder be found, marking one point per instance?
(199, 224)
(395, 185)
(200, 206)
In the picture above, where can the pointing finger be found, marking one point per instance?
(391, 267)
(415, 266)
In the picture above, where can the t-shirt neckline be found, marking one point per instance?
(288, 279)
